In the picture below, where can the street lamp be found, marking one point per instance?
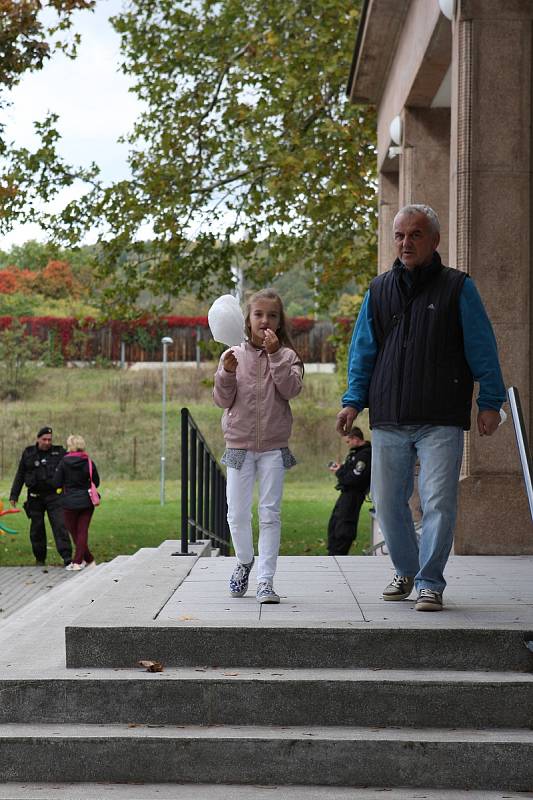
(165, 341)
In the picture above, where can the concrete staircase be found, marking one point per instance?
(310, 708)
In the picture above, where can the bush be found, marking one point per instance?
(16, 349)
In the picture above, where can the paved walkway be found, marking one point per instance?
(482, 590)
(20, 585)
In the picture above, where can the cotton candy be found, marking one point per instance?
(226, 320)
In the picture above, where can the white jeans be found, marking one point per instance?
(270, 472)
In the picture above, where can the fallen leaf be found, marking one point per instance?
(231, 674)
(151, 666)
(185, 617)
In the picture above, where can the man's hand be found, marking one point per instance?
(487, 422)
(229, 361)
(345, 420)
(13, 503)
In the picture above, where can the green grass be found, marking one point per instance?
(131, 517)
(119, 414)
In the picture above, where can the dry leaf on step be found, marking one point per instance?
(151, 666)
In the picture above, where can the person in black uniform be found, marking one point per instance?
(353, 482)
(36, 469)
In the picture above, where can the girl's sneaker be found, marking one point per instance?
(73, 567)
(89, 565)
(265, 593)
(238, 583)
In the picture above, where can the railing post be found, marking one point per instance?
(207, 484)
(192, 486)
(184, 479)
(213, 507)
(225, 529)
(200, 491)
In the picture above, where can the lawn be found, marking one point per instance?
(119, 414)
(131, 517)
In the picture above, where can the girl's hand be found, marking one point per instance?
(229, 361)
(271, 341)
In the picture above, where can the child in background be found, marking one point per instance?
(254, 383)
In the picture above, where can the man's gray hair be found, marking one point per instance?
(420, 208)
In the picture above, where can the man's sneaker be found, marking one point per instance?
(428, 600)
(399, 588)
(265, 593)
(238, 583)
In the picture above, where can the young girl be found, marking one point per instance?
(254, 383)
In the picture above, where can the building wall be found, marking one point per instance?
(473, 162)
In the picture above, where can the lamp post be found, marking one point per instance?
(165, 341)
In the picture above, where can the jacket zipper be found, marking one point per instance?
(258, 402)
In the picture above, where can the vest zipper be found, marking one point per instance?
(405, 337)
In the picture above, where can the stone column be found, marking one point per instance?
(388, 208)
(425, 164)
(490, 235)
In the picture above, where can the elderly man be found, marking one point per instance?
(36, 469)
(421, 339)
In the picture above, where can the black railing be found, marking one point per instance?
(203, 491)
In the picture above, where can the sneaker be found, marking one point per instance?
(73, 567)
(265, 593)
(89, 565)
(238, 583)
(428, 600)
(399, 588)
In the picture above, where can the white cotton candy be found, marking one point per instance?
(226, 320)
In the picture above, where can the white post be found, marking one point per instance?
(165, 341)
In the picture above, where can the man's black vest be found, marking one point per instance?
(421, 376)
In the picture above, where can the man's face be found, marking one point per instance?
(414, 239)
(44, 442)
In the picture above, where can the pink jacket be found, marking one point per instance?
(256, 397)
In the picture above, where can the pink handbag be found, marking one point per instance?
(93, 492)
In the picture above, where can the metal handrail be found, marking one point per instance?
(203, 490)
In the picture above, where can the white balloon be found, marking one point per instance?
(226, 320)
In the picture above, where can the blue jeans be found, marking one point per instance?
(439, 449)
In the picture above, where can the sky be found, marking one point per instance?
(92, 99)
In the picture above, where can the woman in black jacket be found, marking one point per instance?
(73, 476)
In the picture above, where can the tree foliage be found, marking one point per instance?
(25, 45)
(247, 154)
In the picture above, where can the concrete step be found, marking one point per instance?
(61, 596)
(91, 643)
(101, 578)
(412, 699)
(40, 607)
(203, 791)
(21, 585)
(335, 756)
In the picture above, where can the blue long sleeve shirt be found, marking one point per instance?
(480, 347)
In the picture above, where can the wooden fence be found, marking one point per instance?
(140, 341)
